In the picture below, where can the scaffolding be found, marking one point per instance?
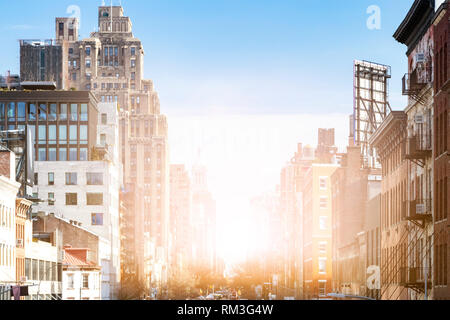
(371, 105)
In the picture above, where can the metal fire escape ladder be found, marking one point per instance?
(410, 249)
(412, 275)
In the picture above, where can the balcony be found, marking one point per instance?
(413, 83)
(419, 147)
(414, 278)
(419, 212)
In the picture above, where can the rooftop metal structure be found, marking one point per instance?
(371, 105)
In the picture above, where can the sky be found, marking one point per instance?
(241, 81)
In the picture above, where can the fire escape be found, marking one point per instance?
(414, 82)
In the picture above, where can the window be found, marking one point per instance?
(133, 63)
(21, 110)
(42, 154)
(133, 76)
(32, 112)
(11, 112)
(103, 139)
(104, 118)
(85, 280)
(63, 134)
(133, 51)
(323, 183)
(323, 248)
(323, 223)
(322, 287)
(63, 112)
(88, 51)
(52, 154)
(51, 199)
(94, 199)
(73, 134)
(322, 265)
(34, 269)
(70, 281)
(94, 179)
(97, 219)
(51, 179)
(36, 179)
(73, 112)
(71, 178)
(52, 112)
(323, 202)
(62, 154)
(83, 134)
(52, 134)
(88, 64)
(70, 50)
(42, 134)
(71, 199)
(73, 154)
(61, 29)
(83, 154)
(84, 112)
(42, 111)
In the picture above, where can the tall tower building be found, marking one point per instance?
(110, 64)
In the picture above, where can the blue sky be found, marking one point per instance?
(238, 56)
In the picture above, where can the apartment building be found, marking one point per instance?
(81, 278)
(317, 231)
(8, 192)
(440, 156)
(180, 217)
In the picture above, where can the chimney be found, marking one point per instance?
(8, 164)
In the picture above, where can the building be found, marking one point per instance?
(440, 156)
(180, 217)
(317, 233)
(291, 213)
(203, 221)
(43, 267)
(110, 64)
(390, 143)
(355, 229)
(81, 278)
(8, 240)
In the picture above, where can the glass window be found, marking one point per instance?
(11, 112)
(85, 281)
(42, 134)
(84, 112)
(94, 179)
(21, 111)
(116, 51)
(94, 199)
(71, 199)
(323, 183)
(51, 199)
(83, 134)
(71, 178)
(88, 63)
(111, 53)
(97, 219)
(34, 269)
(42, 111)
(133, 63)
(51, 179)
(103, 139)
(74, 112)
(323, 202)
(52, 134)
(63, 134)
(133, 51)
(104, 118)
(52, 154)
(88, 51)
(2, 111)
(73, 134)
(52, 112)
(323, 223)
(32, 111)
(63, 112)
(73, 154)
(106, 51)
(70, 281)
(83, 154)
(62, 154)
(322, 265)
(133, 75)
